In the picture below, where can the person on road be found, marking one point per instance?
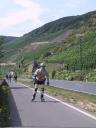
(40, 75)
(34, 68)
(10, 76)
(7, 76)
(15, 76)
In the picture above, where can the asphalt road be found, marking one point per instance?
(86, 87)
(49, 114)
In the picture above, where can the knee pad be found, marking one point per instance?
(36, 89)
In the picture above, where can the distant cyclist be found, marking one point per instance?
(41, 75)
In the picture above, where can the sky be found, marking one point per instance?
(18, 17)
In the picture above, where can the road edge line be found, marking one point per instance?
(68, 105)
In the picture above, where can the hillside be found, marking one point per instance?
(64, 36)
(8, 39)
(45, 33)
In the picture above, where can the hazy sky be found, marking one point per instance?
(18, 17)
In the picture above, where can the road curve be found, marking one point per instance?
(49, 114)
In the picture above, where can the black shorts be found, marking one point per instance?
(39, 82)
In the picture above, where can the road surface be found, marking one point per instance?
(49, 114)
(87, 87)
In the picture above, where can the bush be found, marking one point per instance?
(4, 106)
(53, 74)
(47, 54)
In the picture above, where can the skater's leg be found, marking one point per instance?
(42, 93)
(35, 92)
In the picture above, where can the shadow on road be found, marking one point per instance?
(14, 115)
(46, 101)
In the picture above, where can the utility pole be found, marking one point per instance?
(81, 54)
(81, 60)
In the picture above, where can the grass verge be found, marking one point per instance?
(79, 99)
(4, 106)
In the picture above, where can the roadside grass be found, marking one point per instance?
(4, 106)
(79, 99)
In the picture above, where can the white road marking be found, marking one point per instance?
(68, 105)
